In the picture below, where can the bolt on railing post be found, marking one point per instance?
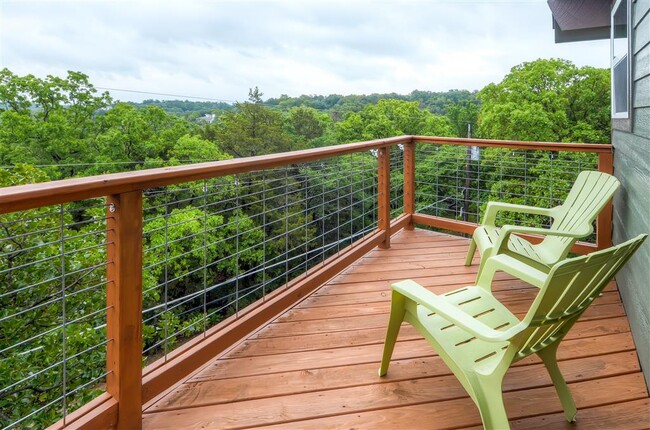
(124, 302)
(383, 194)
(604, 220)
(409, 182)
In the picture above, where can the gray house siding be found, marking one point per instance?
(632, 201)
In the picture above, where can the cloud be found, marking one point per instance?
(221, 48)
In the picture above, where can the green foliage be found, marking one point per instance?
(437, 168)
(53, 264)
(338, 106)
(548, 100)
(187, 108)
(175, 245)
(63, 122)
(452, 185)
(46, 121)
(391, 118)
(127, 134)
(192, 149)
(309, 126)
(461, 115)
(438, 103)
(252, 129)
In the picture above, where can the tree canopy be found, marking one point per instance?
(391, 118)
(548, 100)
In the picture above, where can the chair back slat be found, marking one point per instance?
(570, 288)
(589, 194)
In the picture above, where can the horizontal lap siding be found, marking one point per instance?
(641, 23)
(641, 66)
(642, 93)
(632, 201)
(632, 217)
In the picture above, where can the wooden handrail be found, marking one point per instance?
(32, 196)
(513, 144)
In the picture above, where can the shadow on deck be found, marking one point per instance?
(315, 366)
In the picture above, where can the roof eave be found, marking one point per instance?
(581, 35)
(580, 20)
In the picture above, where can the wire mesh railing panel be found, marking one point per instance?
(457, 181)
(213, 247)
(52, 311)
(396, 181)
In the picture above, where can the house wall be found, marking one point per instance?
(632, 201)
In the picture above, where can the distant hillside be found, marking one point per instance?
(338, 106)
(188, 108)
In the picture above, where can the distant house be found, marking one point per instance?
(627, 24)
(208, 118)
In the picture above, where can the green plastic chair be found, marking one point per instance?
(571, 221)
(479, 338)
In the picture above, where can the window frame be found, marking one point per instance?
(622, 120)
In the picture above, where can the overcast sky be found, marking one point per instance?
(218, 49)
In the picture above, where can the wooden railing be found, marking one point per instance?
(128, 386)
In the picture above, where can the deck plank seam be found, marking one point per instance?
(402, 342)
(381, 381)
(557, 409)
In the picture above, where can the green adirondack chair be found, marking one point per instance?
(571, 221)
(479, 339)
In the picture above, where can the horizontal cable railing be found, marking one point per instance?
(166, 267)
(455, 178)
(457, 182)
(208, 248)
(214, 246)
(52, 311)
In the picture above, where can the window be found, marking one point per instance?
(620, 61)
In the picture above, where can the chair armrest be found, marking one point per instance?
(437, 304)
(512, 266)
(493, 208)
(507, 230)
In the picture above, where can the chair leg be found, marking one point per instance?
(470, 252)
(481, 265)
(397, 311)
(548, 356)
(489, 399)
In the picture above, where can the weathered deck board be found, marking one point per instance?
(332, 357)
(276, 384)
(305, 327)
(315, 366)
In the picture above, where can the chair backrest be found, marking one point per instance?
(587, 197)
(570, 288)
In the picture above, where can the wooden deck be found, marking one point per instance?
(315, 367)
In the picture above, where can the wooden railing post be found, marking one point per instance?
(124, 302)
(383, 194)
(605, 217)
(409, 182)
